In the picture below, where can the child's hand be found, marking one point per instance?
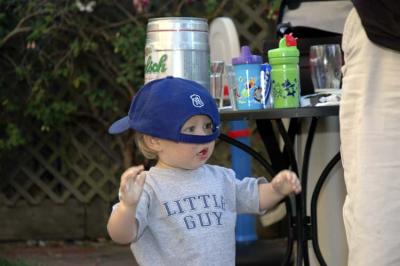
(286, 182)
(131, 186)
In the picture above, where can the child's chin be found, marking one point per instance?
(193, 167)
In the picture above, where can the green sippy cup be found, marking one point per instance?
(285, 73)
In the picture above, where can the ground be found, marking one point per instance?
(62, 253)
(106, 253)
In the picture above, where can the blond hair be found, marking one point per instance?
(143, 147)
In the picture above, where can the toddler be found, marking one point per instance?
(183, 211)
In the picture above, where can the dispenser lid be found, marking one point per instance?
(246, 57)
(287, 47)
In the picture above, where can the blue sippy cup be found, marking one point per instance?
(247, 71)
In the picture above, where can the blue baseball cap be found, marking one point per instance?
(161, 107)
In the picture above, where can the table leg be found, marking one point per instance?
(301, 218)
(291, 235)
(303, 228)
(306, 226)
(314, 201)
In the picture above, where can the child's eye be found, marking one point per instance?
(189, 129)
(208, 127)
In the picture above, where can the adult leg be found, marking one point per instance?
(370, 147)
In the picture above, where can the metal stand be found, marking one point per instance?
(302, 228)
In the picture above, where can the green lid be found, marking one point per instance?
(287, 48)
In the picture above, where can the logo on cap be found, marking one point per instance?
(196, 100)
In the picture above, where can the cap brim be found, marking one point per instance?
(119, 126)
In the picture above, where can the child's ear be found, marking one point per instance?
(152, 142)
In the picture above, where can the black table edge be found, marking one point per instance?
(320, 111)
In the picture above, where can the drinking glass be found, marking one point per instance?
(325, 66)
(216, 83)
(232, 84)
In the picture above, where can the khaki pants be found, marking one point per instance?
(370, 147)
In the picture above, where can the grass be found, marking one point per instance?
(5, 262)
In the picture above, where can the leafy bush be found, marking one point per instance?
(63, 61)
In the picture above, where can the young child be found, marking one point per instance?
(183, 211)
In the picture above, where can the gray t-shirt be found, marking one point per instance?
(187, 217)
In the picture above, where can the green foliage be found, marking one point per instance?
(14, 138)
(129, 49)
(5, 262)
(59, 63)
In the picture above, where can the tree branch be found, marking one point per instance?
(19, 28)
